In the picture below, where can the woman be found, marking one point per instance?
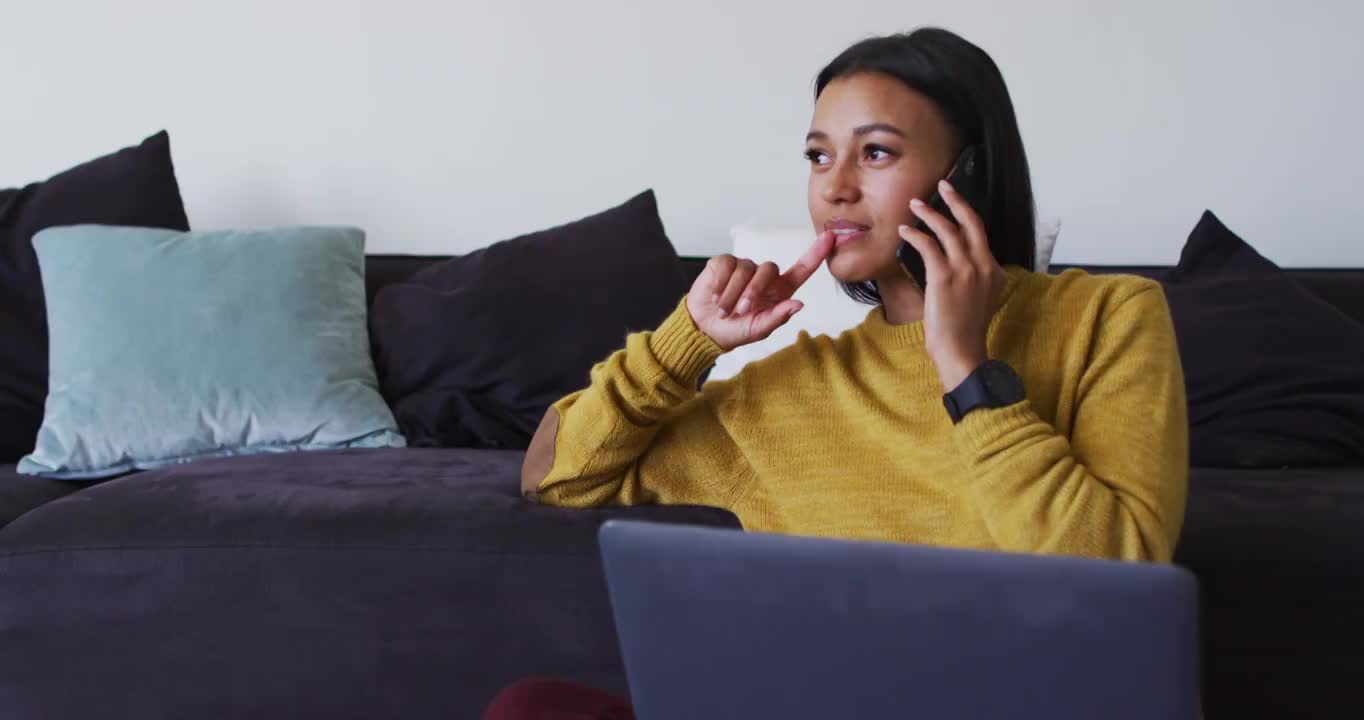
(995, 408)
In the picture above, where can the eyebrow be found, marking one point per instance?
(859, 131)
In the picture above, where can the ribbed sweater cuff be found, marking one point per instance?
(681, 348)
(984, 426)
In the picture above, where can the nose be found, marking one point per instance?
(841, 183)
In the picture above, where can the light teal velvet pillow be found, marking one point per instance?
(167, 347)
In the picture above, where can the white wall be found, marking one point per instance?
(444, 126)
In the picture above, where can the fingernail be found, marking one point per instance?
(715, 298)
(724, 312)
(743, 306)
(945, 186)
(916, 202)
(904, 229)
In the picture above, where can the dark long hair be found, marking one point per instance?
(969, 91)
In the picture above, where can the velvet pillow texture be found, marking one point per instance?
(472, 351)
(1274, 374)
(134, 186)
(167, 347)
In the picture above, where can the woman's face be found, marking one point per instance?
(874, 145)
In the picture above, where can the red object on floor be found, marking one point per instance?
(550, 699)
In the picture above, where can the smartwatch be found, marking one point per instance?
(993, 384)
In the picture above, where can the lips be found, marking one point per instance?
(846, 231)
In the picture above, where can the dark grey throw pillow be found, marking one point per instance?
(1274, 374)
(134, 186)
(472, 351)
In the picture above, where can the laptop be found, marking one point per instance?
(719, 623)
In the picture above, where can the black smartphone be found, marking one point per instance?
(968, 177)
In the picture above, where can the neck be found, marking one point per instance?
(901, 299)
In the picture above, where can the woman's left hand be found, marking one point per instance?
(964, 281)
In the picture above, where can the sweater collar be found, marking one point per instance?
(912, 334)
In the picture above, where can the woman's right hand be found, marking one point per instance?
(736, 301)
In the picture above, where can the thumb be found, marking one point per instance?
(766, 322)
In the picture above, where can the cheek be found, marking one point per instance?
(889, 195)
(890, 203)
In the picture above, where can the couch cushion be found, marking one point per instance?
(465, 497)
(1279, 556)
(355, 583)
(21, 493)
(1342, 287)
(472, 351)
(1275, 374)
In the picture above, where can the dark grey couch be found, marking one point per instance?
(414, 583)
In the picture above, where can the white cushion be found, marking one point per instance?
(1047, 230)
(828, 310)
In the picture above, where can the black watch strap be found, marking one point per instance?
(993, 384)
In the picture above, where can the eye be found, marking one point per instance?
(878, 152)
(816, 156)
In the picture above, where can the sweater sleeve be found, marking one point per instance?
(641, 432)
(1117, 487)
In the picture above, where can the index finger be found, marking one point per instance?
(797, 274)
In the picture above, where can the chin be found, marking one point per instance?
(855, 265)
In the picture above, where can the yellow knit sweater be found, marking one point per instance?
(848, 437)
